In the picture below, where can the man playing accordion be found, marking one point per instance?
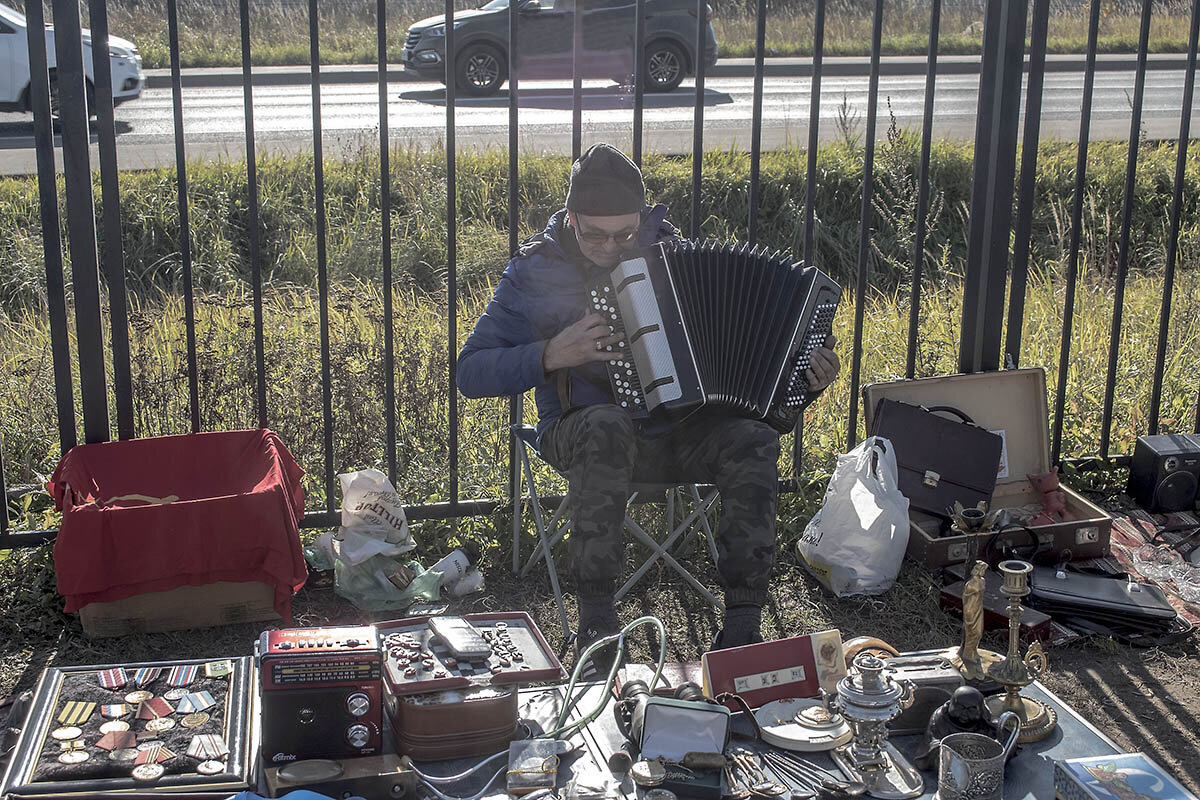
(538, 332)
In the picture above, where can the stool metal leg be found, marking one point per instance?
(538, 522)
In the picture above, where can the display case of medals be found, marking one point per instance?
(172, 726)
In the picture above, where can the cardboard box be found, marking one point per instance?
(1011, 403)
(207, 606)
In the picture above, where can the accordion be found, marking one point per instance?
(715, 327)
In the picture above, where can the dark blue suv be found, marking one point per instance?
(545, 36)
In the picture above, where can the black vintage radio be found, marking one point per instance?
(715, 327)
(321, 693)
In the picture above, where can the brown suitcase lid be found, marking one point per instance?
(1010, 402)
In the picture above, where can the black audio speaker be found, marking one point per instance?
(319, 723)
(1165, 472)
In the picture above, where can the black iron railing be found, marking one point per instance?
(995, 236)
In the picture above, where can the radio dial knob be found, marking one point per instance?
(358, 735)
(358, 704)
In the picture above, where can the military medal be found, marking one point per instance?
(73, 757)
(210, 767)
(114, 726)
(117, 740)
(145, 675)
(175, 694)
(140, 696)
(127, 754)
(76, 712)
(114, 710)
(218, 669)
(196, 701)
(183, 675)
(154, 708)
(68, 732)
(74, 744)
(207, 746)
(161, 724)
(112, 678)
(194, 720)
(148, 772)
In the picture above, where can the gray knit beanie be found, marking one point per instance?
(605, 183)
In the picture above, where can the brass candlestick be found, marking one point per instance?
(1013, 672)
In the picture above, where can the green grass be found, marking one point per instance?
(224, 313)
(209, 36)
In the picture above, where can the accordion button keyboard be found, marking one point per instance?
(627, 391)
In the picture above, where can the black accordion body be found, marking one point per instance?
(715, 328)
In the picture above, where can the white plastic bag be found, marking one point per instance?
(856, 542)
(371, 508)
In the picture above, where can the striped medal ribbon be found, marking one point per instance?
(207, 746)
(183, 674)
(112, 678)
(196, 701)
(76, 712)
(145, 675)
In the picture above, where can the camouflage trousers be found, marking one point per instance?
(601, 451)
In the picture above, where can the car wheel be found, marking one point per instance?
(480, 70)
(90, 98)
(665, 66)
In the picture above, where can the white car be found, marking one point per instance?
(127, 75)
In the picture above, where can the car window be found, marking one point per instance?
(4, 27)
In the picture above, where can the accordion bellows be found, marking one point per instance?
(715, 327)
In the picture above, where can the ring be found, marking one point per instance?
(598, 345)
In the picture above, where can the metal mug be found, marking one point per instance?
(971, 765)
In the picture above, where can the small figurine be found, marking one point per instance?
(964, 712)
(973, 621)
(1054, 500)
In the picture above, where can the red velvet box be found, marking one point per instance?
(164, 515)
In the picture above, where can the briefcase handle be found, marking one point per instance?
(951, 410)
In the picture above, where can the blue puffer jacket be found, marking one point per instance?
(542, 291)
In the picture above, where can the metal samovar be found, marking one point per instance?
(869, 698)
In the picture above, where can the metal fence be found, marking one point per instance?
(998, 241)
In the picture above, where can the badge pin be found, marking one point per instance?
(218, 669)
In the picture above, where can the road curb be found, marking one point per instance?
(725, 68)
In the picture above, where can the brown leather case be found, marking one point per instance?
(453, 724)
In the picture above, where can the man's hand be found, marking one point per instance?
(581, 343)
(824, 365)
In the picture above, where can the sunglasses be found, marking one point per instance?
(600, 237)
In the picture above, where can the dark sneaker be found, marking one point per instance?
(601, 660)
(720, 641)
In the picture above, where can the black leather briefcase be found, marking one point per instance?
(1112, 604)
(941, 459)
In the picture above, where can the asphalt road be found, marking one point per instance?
(213, 118)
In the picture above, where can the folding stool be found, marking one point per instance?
(552, 530)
